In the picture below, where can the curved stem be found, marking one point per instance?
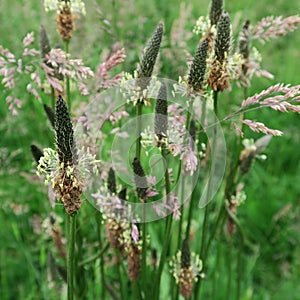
(71, 256)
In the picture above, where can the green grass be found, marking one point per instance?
(272, 270)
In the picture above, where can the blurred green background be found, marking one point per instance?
(271, 214)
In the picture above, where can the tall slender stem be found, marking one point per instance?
(68, 96)
(139, 109)
(229, 269)
(71, 256)
(98, 220)
(167, 232)
(207, 207)
(144, 255)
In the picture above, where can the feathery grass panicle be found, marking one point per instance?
(50, 114)
(216, 9)
(161, 115)
(150, 53)
(140, 179)
(37, 153)
(198, 67)
(272, 27)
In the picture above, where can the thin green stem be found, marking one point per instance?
(68, 93)
(95, 256)
(100, 254)
(239, 270)
(207, 207)
(139, 109)
(144, 255)
(167, 232)
(71, 256)
(119, 273)
(229, 269)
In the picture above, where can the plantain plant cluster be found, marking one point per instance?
(149, 232)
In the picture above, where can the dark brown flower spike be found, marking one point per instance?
(37, 153)
(161, 114)
(50, 114)
(64, 134)
(111, 181)
(140, 179)
(198, 67)
(216, 8)
(150, 53)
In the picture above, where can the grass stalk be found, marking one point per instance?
(207, 207)
(71, 256)
(68, 93)
(167, 233)
(100, 254)
(229, 268)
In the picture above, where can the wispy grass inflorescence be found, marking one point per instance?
(272, 27)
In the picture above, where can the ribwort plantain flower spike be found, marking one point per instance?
(223, 37)
(111, 181)
(44, 43)
(219, 75)
(140, 179)
(37, 153)
(198, 67)
(50, 114)
(150, 53)
(186, 275)
(161, 115)
(216, 9)
(65, 21)
(244, 44)
(134, 260)
(65, 143)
